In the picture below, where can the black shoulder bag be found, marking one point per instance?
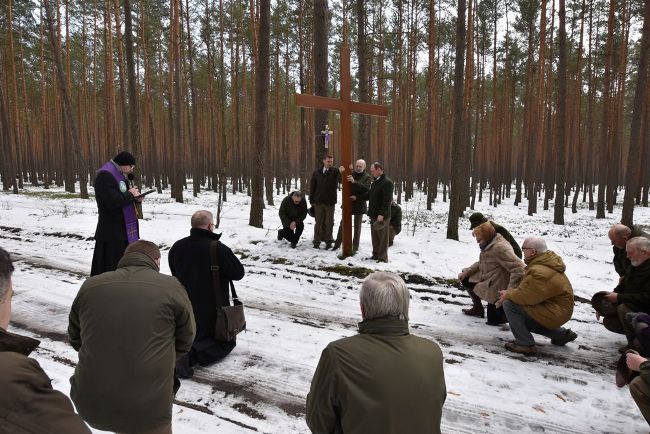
(230, 319)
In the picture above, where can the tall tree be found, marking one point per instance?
(321, 37)
(363, 56)
(262, 76)
(558, 218)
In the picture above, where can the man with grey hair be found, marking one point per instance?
(28, 403)
(360, 183)
(383, 379)
(190, 260)
(619, 235)
(542, 302)
(634, 290)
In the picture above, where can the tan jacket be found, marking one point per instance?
(498, 268)
(381, 381)
(28, 403)
(545, 292)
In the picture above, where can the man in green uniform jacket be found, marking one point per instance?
(383, 380)
(129, 326)
(28, 403)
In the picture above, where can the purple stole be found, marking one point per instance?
(130, 218)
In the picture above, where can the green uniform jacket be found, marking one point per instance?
(508, 237)
(129, 326)
(323, 187)
(545, 292)
(382, 380)
(396, 217)
(644, 371)
(621, 262)
(379, 197)
(636, 288)
(290, 212)
(361, 185)
(28, 404)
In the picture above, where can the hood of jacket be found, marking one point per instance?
(549, 259)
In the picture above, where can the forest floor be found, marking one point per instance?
(299, 300)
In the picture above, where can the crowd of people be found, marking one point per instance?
(383, 379)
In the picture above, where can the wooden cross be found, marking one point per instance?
(346, 106)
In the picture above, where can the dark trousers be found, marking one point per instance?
(640, 391)
(356, 222)
(379, 232)
(106, 256)
(290, 235)
(617, 323)
(523, 325)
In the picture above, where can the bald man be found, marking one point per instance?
(360, 182)
(619, 235)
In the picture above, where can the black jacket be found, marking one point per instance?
(509, 238)
(636, 288)
(110, 201)
(621, 262)
(323, 186)
(290, 212)
(361, 186)
(396, 217)
(189, 261)
(379, 197)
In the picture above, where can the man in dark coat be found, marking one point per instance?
(379, 199)
(190, 262)
(395, 221)
(640, 386)
(633, 292)
(28, 403)
(129, 326)
(117, 225)
(360, 181)
(293, 211)
(383, 380)
(619, 235)
(477, 218)
(322, 195)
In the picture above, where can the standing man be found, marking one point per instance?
(542, 302)
(190, 261)
(383, 380)
(477, 218)
(322, 195)
(395, 221)
(117, 226)
(380, 197)
(129, 326)
(293, 211)
(28, 403)
(360, 185)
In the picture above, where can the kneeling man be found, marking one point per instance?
(383, 380)
(542, 302)
(293, 211)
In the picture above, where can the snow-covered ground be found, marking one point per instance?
(299, 300)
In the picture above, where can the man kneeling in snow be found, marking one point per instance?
(542, 302)
(383, 380)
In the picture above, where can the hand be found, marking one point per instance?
(135, 192)
(351, 179)
(461, 276)
(380, 218)
(341, 169)
(634, 361)
(353, 198)
(612, 297)
(502, 296)
(351, 166)
(293, 226)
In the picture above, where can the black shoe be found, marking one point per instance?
(569, 336)
(279, 235)
(337, 246)
(293, 245)
(328, 245)
(316, 245)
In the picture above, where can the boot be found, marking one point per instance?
(495, 316)
(280, 235)
(475, 311)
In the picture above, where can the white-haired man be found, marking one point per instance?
(28, 404)
(619, 235)
(634, 293)
(383, 380)
(542, 302)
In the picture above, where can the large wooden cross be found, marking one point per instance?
(346, 106)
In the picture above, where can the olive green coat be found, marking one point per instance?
(381, 381)
(497, 269)
(545, 291)
(129, 326)
(28, 403)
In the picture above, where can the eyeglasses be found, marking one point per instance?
(527, 248)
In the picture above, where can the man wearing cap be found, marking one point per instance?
(477, 218)
(117, 226)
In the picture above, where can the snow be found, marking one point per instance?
(297, 303)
